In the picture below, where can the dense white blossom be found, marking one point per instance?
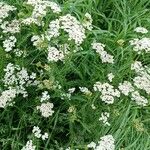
(29, 146)
(11, 27)
(37, 132)
(85, 90)
(45, 96)
(7, 97)
(110, 77)
(106, 142)
(104, 118)
(9, 43)
(141, 30)
(140, 45)
(4, 10)
(73, 27)
(108, 92)
(105, 57)
(18, 78)
(53, 30)
(46, 109)
(37, 40)
(126, 88)
(140, 100)
(40, 8)
(55, 55)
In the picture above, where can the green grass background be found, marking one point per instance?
(130, 124)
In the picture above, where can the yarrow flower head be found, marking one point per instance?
(7, 97)
(55, 55)
(141, 45)
(141, 30)
(37, 133)
(105, 57)
(4, 10)
(9, 43)
(106, 142)
(104, 118)
(46, 109)
(108, 93)
(18, 78)
(110, 77)
(40, 8)
(73, 27)
(11, 27)
(29, 146)
(126, 88)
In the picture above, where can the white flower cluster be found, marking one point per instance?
(37, 133)
(40, 10)
(73, 27)
(140, 100)
(85, 90)
(53, 30)
(105, 57)
(46, 109)
(142, 82)
(106, 142)
(4, 10)
(45, 96)
(108, 93)
(141, 30)
(29, 146)
(140, 45)
(9, 43)
(37, 40)
(7, 97)
(104, 118)
(88, 22)
(126, 88)
(55, 55)
(18, 78)
(19, 52)
(11, 27)
(110, 77)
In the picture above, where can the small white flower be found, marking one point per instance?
(9, 43)
(141, 30)
(108, 93)
(45, 96)
(71, 90)
(92, 145)
(85, 90)
(140, 100)
(37, 132)
(55, 55)
(46, 109)
(126, 88)
(110, 77)
(11, 27)
(45, 136)
(106, 142)
(104, 118)
(105, 57)
(73, 27)
(140, 45)
(29, 146)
